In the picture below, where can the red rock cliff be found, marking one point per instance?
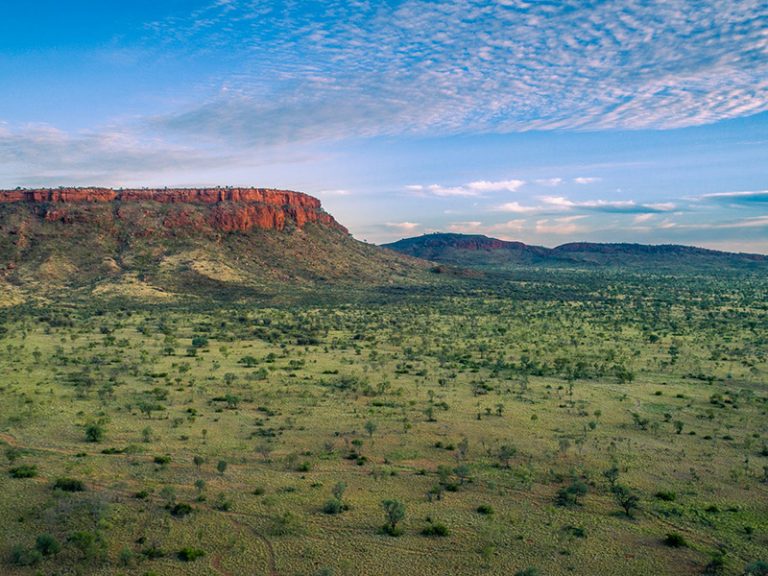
(228, 209)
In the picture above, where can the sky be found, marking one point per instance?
(545, 121)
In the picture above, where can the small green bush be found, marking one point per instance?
(21, 556)
(181, 509)
(675, 540)
(485, 509)
(665, 496)
(190, 554)
(47, 545)
(24, 471)
(435, 530)
(69, 485)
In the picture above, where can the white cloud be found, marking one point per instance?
(743, 194)
(477, 188)
(403, 225)
(586, 180)
(516, 208)
(640, 218)
(499, 186)
(618, 206)
(460, 66)
(662, 206)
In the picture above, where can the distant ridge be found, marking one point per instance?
(477, 250)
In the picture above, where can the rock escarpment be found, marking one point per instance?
(233, 243)
(217, 209)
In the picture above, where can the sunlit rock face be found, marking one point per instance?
(194, 209)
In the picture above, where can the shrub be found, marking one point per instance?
(153, 553)
(485, 509)
(181, 509)
(47, 545)
(527, 572)
(334, 506)
(24, 471)
(90, 544)
(675, 540)
(126, 557)
(222, 504)
(758, 568)
(21, 556)
(435, 530)
(190, 554)
(69, 485)
(94, 432)
(569, 496)
(665, 496)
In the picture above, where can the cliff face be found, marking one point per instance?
(211, 242)
(218, 209)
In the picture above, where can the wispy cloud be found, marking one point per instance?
(39, 155)
(586, 180)
(498, 186)
(516, 208)
(746, 197)
(750, 222)
(617, 206)
(473, 66)
(406, 226)
(641, 218)
(477, 188)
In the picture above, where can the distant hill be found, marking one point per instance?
(476, 250)
(213, 243)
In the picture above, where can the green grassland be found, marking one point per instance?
(502, 412)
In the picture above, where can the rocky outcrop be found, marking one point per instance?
(221, 209)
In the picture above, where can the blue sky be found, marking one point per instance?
(541, 121)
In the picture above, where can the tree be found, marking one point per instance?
(395, 513)
(612, 475)
(463, 472)
(94, 432)
(626, 498)
(370, 427)
(505, 454)
(221, 466)
(569, 496)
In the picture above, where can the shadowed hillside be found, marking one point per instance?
(475, 250)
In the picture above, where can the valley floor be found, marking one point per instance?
(543, 423)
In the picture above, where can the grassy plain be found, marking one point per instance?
(491, 408)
